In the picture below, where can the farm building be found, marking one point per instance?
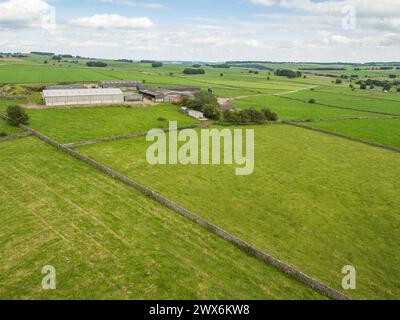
(121, 84)
(168, 94)
(154, 95)
(197, 115)
(65, 87)
(82, 96)
(132, 97)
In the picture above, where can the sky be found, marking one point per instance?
(205, 30)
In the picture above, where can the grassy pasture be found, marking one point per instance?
(350, 101)
(384, 131)
(6, 128)
(78, 124)
(108, 241)
(374, 94)
(46, 74)
(291, 110)
(314, 201)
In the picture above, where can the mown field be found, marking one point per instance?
(108, 241)
(383, 131)
(315, 201)
(79, 124)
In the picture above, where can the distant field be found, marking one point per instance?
(314, 201)
(384, 131)
(291, 110)
(375, 93)
(108, 241)
(350, 101)
(77, 124)
(43, 74)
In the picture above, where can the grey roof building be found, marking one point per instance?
(69, 97)
(121, 84)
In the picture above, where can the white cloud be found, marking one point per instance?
(135, 4)
(23, 13)
(362, 7)
(111, 21)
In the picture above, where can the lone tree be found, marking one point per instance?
(16, 116)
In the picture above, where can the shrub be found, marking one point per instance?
(312, 101)
(16, 116)
(3, 134)
(157, 64)
(363, 86)
(212, 111)
(161, 119)
(201, 99)
(339, 81)
(269, 115)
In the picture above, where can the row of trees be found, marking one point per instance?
(208, 104)
(98, 64)
(250, 116)
(194, 71)
(288, 73)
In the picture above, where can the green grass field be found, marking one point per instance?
(350, 101)
(315, 201)
(79, 124)
(108, 241)
(8, 129)
(383, 131)
(292, 110)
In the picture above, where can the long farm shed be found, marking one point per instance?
(82, 96)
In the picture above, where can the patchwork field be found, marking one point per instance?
(108, 241)
(349, 101)
(383, 131)
(73, 125)
(292, 110)
(314, 201)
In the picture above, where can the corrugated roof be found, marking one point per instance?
(120, 81)
(81, 92)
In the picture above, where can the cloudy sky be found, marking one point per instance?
(206, 30)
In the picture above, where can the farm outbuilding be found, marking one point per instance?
(153, 95)
(121, 84)
(82, 97)
(65, 87)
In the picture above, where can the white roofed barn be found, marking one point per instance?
(70, 97)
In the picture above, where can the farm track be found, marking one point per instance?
(261, 255)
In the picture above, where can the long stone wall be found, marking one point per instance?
(339, 135)
(341, 107)
(287, 269)
(116, 138)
